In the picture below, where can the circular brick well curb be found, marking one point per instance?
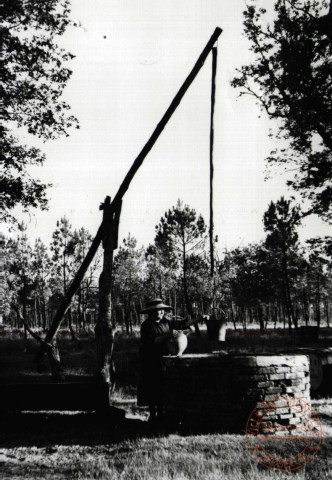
(220, 391)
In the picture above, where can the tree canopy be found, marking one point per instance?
(34, 75)
(290, 78)
(276, 282)
(280, 222)
(179, 235)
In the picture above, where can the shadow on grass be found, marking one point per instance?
(44, 429)
(47, 429)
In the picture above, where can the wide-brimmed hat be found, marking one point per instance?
(155, 304)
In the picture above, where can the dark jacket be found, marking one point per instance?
(150, 383)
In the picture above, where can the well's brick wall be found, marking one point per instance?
(220, 391)
(2, 276)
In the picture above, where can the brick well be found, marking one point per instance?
(220, 391)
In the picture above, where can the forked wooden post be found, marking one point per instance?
(104, 328)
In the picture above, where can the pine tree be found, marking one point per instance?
(180, 233)
(280, 221)
(34, 75)
(290, 79)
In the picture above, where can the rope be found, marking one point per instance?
(213, 94)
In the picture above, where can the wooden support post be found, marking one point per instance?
(104, 328)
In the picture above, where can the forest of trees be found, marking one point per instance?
(278, 282)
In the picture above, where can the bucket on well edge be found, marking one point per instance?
(177, 344)
(216, 329)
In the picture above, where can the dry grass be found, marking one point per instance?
(171, 457)
(82, 446)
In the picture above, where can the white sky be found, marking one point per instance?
(131, 58)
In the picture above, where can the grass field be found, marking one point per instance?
(76, 445)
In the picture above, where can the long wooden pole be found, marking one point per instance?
(126, 182)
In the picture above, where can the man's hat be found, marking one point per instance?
(155, 304)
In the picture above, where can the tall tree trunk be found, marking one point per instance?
(268, 310)
(251, 320)
(318, 295)
(283, 307)
(288, 297)
(25, 310)
(70, 324)
(275, 316)
(260, 317)
(233, 316)
(127, 320)
(79, 309)
(44, 313)
(135, 314)
(185, 289)
(327, 313)
(39, 314)
(305, 308)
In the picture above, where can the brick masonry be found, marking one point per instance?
(2, 276)
(218, 391)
